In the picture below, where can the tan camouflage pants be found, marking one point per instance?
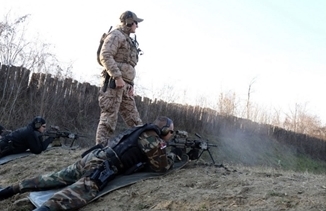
(79, 192)
(112, 102)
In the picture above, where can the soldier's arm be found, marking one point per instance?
(36, 143)
(155, 150)
(108, 52)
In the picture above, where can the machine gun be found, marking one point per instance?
(56, 132)
(181, 142)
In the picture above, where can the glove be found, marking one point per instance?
(172, 156)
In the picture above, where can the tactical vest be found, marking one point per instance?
(130, 55)
(127, 148)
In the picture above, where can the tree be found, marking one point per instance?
(300, 121)
(17, 50)
(227, 104)
(248, 104)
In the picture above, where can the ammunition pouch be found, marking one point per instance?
(103, 174)
(113, 157)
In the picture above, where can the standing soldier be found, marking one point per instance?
(119, 56)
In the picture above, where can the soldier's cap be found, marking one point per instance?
(129, 17)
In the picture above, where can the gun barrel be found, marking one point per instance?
(196, 134)
(212, 145)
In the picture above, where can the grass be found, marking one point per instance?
(304, 163)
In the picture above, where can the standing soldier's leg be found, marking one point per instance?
(109, 102)
(129, 111)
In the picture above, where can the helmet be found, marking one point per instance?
(129, 17)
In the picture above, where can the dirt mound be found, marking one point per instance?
(195, 187)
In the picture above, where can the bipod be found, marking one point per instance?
(209, 152)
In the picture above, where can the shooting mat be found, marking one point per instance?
(8, 158)
(11, 157)
(39, 197)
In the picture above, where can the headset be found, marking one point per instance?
(165, 130)
(38, 122)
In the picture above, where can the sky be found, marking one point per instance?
(199, 48)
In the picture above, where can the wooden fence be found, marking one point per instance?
(74, 105)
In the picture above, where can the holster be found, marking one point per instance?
(108, 81)
(103, 174)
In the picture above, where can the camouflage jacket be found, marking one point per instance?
(119, 55)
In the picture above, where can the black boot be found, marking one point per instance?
(6, 193)
(42, 208)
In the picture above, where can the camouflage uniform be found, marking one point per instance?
(81, 189)
(119, 56)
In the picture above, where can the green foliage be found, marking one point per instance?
(304, 163)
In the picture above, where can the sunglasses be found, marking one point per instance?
(136, 23)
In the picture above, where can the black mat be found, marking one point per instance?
(8, 158)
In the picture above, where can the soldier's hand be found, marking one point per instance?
(119, 83)
(172, 156)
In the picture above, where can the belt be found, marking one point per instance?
(113, 158)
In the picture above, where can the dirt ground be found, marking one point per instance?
(195, 187)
